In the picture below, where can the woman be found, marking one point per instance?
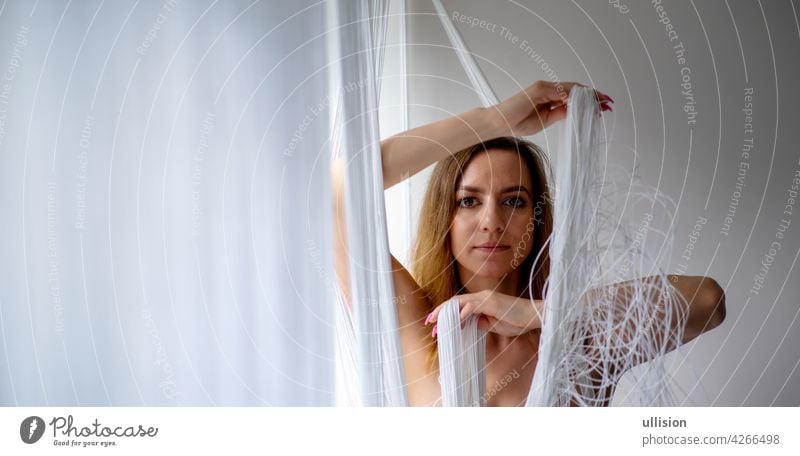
(485, 217)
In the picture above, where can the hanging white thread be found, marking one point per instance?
(474, 73)
(595, 328)
(462, 358)
(609, 305)
(377, 342)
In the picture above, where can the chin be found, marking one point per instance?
(491, 268)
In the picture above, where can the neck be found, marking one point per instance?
(508, 284)
(498, 343)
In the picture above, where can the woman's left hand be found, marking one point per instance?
(499, 313)
(537, 107)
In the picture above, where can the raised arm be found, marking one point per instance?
(411, 151)
(525, 113)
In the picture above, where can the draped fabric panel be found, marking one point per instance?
(362, 26)
(164, 186)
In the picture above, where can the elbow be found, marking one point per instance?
(713, 302)
(386, 165)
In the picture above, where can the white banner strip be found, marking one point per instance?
(400, 431)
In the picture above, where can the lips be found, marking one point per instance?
(492, 247)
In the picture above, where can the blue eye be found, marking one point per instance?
(470, 201)
(463, 201)
(517, 201)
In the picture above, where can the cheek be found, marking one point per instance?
(461, 233)
(521, 228)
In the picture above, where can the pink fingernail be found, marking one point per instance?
(433, 333)
(428, 319)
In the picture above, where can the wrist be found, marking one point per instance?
(489, 123)
(536, 307)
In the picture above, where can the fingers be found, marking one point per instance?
(605, 101)
(541, 92)
(603, 98)
(465, 313)
(466, 306)
(551, 116)
(485, 323)
(556, 93)
(433, 317)
(469, 304)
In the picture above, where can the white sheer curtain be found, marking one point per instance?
(374, 339)
(165, 199)
(167, 226)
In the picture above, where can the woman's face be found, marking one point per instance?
(493, 206)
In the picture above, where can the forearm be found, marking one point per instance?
(411, 151)
(523, 114)
(341, 258)
(698, 302)
(535, 312)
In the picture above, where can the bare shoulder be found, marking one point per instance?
(415, 338)
(411, 303)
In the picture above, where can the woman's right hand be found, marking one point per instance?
(499, 313)
(537, 107)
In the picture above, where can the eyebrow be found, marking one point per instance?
(513, 188)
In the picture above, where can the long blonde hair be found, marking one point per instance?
(433, 264)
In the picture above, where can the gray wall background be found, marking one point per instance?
(624, 49)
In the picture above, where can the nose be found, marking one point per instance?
(491, 219)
